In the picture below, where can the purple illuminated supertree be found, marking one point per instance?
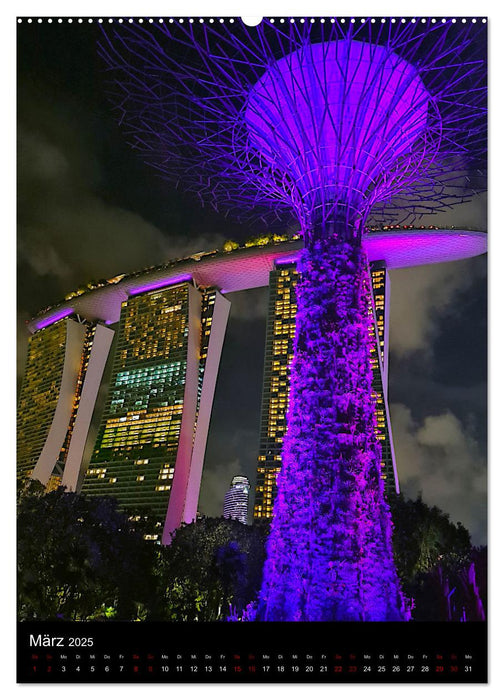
(333, 122)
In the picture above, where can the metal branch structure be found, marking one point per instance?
(333, 123)
(256, 118)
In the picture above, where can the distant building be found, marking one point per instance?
(236, 500)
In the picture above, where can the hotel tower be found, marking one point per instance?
(152, 437)
(281, 326)
(64, 368)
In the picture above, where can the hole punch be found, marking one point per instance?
(252, 21)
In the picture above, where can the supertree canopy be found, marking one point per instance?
(331, 122)
(248, 118)
(370, 108)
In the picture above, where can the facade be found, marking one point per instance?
(214, 316)
(150, 446)
(65, 362)
(236, 500)
(280, 330)
(379, 309)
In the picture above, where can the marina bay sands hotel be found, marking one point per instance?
(169, 322)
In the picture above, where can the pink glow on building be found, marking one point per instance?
(249, 268)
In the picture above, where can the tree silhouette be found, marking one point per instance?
(79, 558)
(212, 566)
(440, 570)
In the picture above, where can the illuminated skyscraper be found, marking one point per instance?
(281, 324)
(66, 359)
(379, 308)
(150, 446)
(236, 500)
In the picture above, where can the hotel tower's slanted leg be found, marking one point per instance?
(380, 309)
(214, 316)
(151, 441)
(64, 368)
(280, 331)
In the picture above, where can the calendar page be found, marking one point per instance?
(251, 428)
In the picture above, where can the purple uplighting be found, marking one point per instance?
(371, 108)
(159, 284)
(329, 551)
(334, 125)
(275, 120)
(52, 319)
(288, 259)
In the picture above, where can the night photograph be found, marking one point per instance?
(252, 349)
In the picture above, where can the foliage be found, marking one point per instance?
(210, 566)
(258, 240)
(79, 558)
(439, 569)
(423, 536)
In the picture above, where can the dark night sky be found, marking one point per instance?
(89, 208)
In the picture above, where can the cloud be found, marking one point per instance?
(419, 298)
(214, 484)
(68, 231)
(249, 305)
(205, 243)
(70, 224)
(439, 457)
(39, 159)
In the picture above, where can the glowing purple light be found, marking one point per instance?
(285, 117)
(288, 259)
(370, 106)
(329, 551)
(159, 284)
(52, 319)
(330, 123)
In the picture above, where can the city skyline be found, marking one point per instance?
(421, 427)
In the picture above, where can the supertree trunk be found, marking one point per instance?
(329, 555)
